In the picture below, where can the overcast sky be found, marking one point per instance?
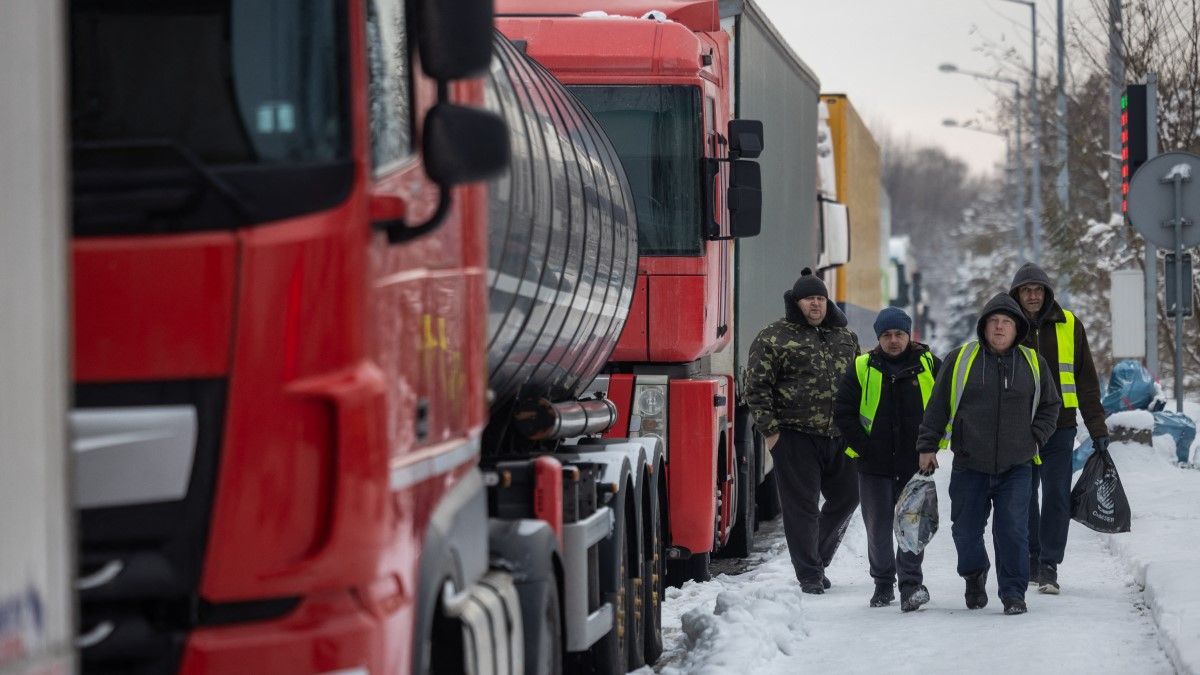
(885, 53)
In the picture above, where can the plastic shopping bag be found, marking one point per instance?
(1098, 500)
(916, 514)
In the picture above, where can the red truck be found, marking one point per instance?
(661, 84)
(279, 303)
(334, 408)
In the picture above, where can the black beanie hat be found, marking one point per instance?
(809, 284)
(892, 318)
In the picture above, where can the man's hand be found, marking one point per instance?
(772, 440)
(928, 463)
(1100, 443)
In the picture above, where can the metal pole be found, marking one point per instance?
(1020, 163)
(1178, 222)
(1116, 80)
(1150, 255)
(1037, 148)
(1063, 181)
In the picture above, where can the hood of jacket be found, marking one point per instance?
(1030, 273)
(834, 318)
(1002, 302)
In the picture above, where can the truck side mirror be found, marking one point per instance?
(744, 199)
(454, 37)
(835, 234)
(463, 145)
(459, 145)
(745, 139)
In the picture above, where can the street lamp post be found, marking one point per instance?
(1035, 143)
(1020, 164)
(1009, 182)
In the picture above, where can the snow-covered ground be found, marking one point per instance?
(759, 622)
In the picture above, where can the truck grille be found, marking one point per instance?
(147, 455)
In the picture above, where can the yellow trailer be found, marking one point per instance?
(858, 286)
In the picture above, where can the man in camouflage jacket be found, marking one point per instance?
(794, 367)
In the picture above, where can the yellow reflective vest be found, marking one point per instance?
(962, 368)
(1064, 334)
(870, 382)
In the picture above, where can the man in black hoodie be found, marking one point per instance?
(996, 404)
(791, 379)
(878, 409)
(1059, 337)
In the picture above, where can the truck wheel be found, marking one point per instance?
(741, 538)
(656, 579)
(544, 655)
(768, 499)
(635, 584)
(610, 655)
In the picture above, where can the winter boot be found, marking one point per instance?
(812, 587)
(912, 596)
(884, 595)
(1014, 605)
(825, 582)
(1048, 579)
(976, 593)
(1034, 565)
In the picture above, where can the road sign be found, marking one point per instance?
(1126, 304)
(1187, 285)
(1152, 199)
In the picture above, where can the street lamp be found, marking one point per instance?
(1020, 164)
(1034, 143)
(1008, 179)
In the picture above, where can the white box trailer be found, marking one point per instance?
(36, 564)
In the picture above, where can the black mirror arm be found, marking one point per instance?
(398, 231)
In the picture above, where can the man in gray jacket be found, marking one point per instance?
(995, 403)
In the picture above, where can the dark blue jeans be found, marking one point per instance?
(973, 494)
(1048, 526)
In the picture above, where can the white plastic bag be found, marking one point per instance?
(916, 514)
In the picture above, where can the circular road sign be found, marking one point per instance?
(1152, 199)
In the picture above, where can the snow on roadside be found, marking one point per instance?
(1163, 549)
(756, 622)
(736, 621)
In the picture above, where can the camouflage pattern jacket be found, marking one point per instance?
(794, 368)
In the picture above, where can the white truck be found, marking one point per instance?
(35, 549)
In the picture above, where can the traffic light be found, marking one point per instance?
(1134, 137)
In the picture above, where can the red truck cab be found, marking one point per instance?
(661, 87)
(278, 330)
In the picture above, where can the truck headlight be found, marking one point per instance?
(651, 402)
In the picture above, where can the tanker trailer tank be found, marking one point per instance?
(562, 241)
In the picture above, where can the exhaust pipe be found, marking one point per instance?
(542, 420)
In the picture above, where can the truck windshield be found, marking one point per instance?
(655, 130)
(206, 114)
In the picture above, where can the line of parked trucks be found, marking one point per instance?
(407, 337)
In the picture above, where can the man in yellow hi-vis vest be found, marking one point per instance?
(1058, 336)
(878, 410)
(995, 402)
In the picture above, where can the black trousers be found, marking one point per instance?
(808, 467)
(879, 495)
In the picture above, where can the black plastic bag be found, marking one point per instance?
(1098, 500)
(916, 518)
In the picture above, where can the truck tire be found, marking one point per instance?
(635, 584)
(656, 575)
(767, 497)
(544, 648)
(741, 537)
(610, 654)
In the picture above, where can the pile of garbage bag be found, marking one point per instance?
(1132, 387)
